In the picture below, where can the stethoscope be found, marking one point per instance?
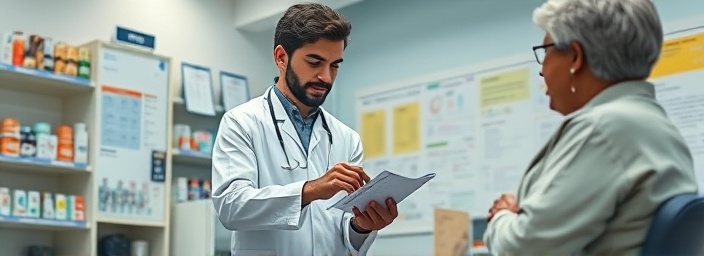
(281, 140)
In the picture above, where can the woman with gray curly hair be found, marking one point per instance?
(595, 186)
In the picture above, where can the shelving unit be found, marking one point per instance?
(195, 220)
(191, 163)
(32, 96)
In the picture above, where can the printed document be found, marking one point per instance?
(383, 186)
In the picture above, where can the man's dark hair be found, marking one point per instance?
(308, 23)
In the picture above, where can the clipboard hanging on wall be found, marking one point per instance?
(234, 90)
(197, 89)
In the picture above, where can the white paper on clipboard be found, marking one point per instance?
(198, 90)
(383, 186)
(235, 90)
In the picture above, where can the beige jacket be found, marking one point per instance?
(595, 186)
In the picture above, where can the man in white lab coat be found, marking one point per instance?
(280, 159)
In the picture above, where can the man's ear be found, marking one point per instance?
(578, 60)
(280, 56)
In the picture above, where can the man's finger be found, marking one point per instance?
(374, 215)
(358, 169)
(357, 213)
(391, 205)
(349, 180)
(353, 174)
(384, 213)
(341, 185)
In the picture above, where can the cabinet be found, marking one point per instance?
(197, 223)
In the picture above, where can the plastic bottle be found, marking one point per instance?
(28, 142)
(80, 143)
(46, 143)
(18, 44)
(10, 137)
(65, 148)
(84, 63)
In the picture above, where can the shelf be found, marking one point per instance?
(191, 157)
(41, 82)
(10, 163)
(182, 103)
(43, 224)
(130, 222)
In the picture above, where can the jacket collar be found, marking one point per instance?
(615, 92)
(618, 91)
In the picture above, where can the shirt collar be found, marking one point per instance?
(291, 108)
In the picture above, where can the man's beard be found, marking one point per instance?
(299, 91)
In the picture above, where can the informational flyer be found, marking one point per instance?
(133, 114)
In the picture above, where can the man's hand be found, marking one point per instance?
(340, 177)
(375, 217)
(505, 201)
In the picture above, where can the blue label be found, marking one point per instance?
(158, 166)
(136, 38)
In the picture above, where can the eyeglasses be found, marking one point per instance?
(540, 51)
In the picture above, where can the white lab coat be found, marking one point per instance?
(261, 202)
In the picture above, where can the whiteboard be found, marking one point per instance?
(478, 127)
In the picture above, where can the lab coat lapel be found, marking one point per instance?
(317, 134)
(287, 126)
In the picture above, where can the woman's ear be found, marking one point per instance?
(578, 60)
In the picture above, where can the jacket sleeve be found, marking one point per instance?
(239, 201)
(573, 209)
(358, 244)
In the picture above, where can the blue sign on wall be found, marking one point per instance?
(132, 37)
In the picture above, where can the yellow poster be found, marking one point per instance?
(406, 128)
(506, 87)
(680, 55)
(374, 133)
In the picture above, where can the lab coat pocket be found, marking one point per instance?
(254, 253)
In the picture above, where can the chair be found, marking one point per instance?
(677, 228)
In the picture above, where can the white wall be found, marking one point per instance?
(199, 32)
(394, 41)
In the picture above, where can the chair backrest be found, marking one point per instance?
(677, 227)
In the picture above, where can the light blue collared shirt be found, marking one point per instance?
(304, 126)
